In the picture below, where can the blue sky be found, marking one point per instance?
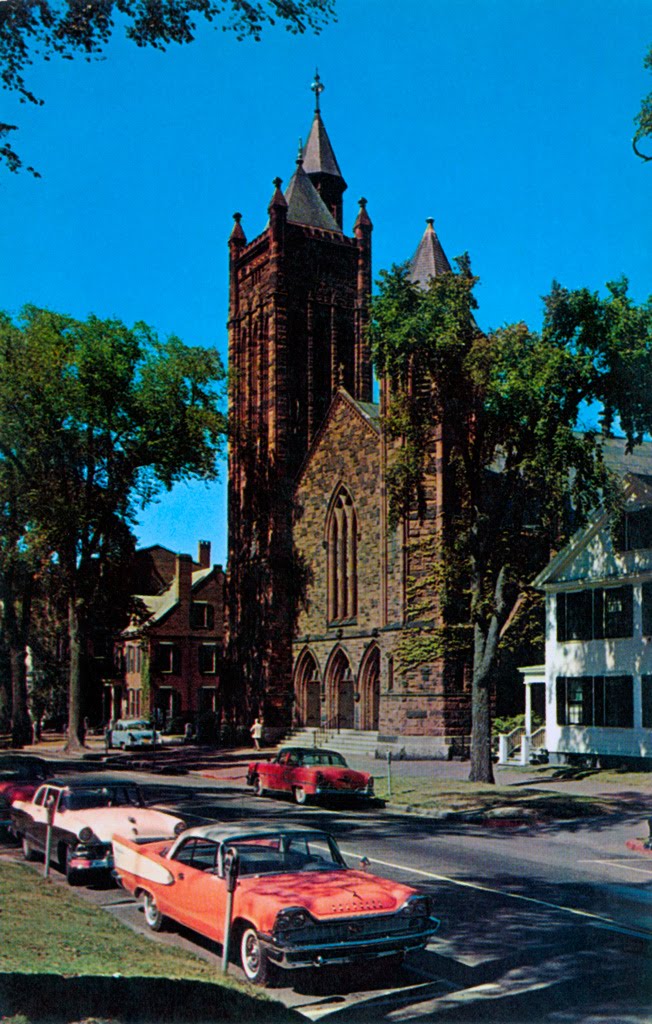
(508, 121)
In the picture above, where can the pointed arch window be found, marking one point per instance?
(342, 549)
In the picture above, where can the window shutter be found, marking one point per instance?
(210, 616)
(561, 700)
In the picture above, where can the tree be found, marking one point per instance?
(66, 28)
(643, 119)
(522, 477)
(96, 420)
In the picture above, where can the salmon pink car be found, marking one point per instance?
(295, 903)
(309, 773)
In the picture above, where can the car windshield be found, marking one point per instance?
(100, 796)
(134, 725)
(287, 852)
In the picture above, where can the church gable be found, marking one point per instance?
(343, 463)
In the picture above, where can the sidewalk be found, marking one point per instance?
(229, 766)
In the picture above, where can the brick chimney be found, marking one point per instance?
(204, 554)
(183, 581)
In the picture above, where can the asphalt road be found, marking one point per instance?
(537, 924)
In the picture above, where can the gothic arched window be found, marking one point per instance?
(342, 549)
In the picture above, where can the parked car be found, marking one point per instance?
(296, 904)
(131, 732)
(309, 772)
(86, 811)
(20, 777)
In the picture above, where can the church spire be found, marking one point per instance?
(429, 260)
(319, 161)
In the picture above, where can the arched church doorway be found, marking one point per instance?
(307, 692)
(342, 692)
(370, 689)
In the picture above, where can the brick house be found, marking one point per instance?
(170, 656)
(318, 585)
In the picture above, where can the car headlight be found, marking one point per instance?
(180, 827)
(416, 906)
(290, 918)
(87, 835)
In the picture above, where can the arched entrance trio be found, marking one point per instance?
(337, 691)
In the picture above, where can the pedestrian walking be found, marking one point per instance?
(256, 731)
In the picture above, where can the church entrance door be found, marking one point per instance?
(341, 693)
(313, 704)
(346, 704)
(370, 689)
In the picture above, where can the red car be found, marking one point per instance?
(309, 772)
(20, 777)
(296, 904)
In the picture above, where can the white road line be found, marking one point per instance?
(496, 892)
(617, 864)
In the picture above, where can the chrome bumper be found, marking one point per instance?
(291, 955)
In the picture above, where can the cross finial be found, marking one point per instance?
(318, 88)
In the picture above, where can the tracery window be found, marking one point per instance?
(342, 548)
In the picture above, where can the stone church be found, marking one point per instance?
(319, 590)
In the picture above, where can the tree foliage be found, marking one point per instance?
(96, 420)
(643, 119)
(42, 29)
(518, 474)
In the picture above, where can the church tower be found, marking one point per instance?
(298, 302)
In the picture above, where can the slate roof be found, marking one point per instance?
(429, 260)
(618, 460)
(318, 155)
(305, 205)
(158, 605)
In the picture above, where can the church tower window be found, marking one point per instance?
(342, 551)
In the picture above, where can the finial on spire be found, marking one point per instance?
(277, 182)
(318, 88)
(300, 152)
(430, 221)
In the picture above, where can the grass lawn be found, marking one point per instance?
(445, 796)
(64, 959)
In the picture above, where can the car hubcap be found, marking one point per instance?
(252, 954)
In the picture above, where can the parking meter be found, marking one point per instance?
(231, 871)
(49, 818)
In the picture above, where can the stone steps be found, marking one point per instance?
(349, 742)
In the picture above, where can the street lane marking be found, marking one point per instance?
(502, 892)
(617, 864)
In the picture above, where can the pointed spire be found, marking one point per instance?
(319, 160)
(429, 260)
(278, 199)
(237, 236)
(363, 220)
(305, 205)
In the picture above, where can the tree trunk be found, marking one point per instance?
(16, 638)
(75, 741)
(481, 763)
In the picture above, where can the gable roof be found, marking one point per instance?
(638, 494)
(161, 605)
(367, 413)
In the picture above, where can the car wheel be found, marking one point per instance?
(300, 795)
(259, 789)
(28, 849)
(253, 958)
(154, 919)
